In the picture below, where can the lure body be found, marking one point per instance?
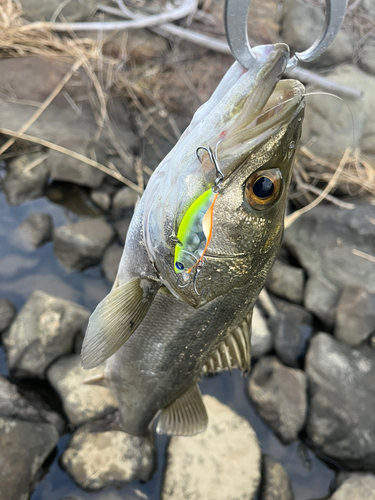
(194, 233)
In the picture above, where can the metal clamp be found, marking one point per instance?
(236, 15)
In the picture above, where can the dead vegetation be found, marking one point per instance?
(149, 89)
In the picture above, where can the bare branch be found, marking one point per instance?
(186, 9)
(211, 43)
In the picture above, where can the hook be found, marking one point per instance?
(235, 17)
(213, 158)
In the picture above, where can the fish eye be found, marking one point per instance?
(262, 188)
(179, 266)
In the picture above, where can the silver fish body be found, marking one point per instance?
(173, 332)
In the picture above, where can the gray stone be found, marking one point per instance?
(355, 315)
(75, 10)
(43, 331)
(112, 458)
(122, 227)
(342, 401)
(275, 481)
(24, 446)
(15, 405)
(101, 199)
(291, 329)
(302, 23)
(125, 199)
(323, 239)
(111, 261)
(367, 57)
(356, 487)
(7, 314)
(330, 121)
(33, 79)
(279, 395)
(321, 298)
(81, 402)
(222, 463)
(261, 336)
(37, 228)
(66, 168)
(286, 281)
(23, 183)
(82, 244)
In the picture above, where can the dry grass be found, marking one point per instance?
(315, 178)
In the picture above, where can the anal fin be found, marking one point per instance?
(186, 416)
(233, 351)
(115, 319)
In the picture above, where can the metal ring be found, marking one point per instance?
(236, 15)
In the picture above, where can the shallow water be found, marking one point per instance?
(22, 270)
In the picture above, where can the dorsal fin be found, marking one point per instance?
(233, 351)
(186, 416)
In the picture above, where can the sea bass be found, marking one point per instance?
(200, 244)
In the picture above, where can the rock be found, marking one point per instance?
(7, 314)
(122, 227)
(261, 336)
(356, 487)
(275, 481)
(81, 402)
(286, 281)
(222, 463)
(101, 199)
(112, 458)
(82, 244)
(322, 240)
(342, 401)
(75, 10)
(43, 331)
(125, 199)
(37, 228)
(367, 57)
(302, 24)
(23, 183)
(111, 261)
(72, 126)
(14, 405)
(330, 121)
(291, 329)
(66, 168)
(355, 315)
(321, 297)
(24, 446)
(279, 395)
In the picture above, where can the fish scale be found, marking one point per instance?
(158, 333)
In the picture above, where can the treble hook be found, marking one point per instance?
(213, 158)
(197, 271)
(236, 15)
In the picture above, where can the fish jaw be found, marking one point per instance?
(238, 121)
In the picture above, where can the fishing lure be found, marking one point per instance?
(195, 231)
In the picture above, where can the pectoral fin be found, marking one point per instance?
(186, 416)
(115, 319)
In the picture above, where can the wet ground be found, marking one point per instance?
(22, 270)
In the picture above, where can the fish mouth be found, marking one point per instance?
(266, 106)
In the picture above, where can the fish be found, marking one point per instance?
(201, 242)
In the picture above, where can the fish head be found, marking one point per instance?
(225, 184)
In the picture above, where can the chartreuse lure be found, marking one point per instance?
(194, 233)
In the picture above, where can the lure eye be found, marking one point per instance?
(262, 188)
(179, 266)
